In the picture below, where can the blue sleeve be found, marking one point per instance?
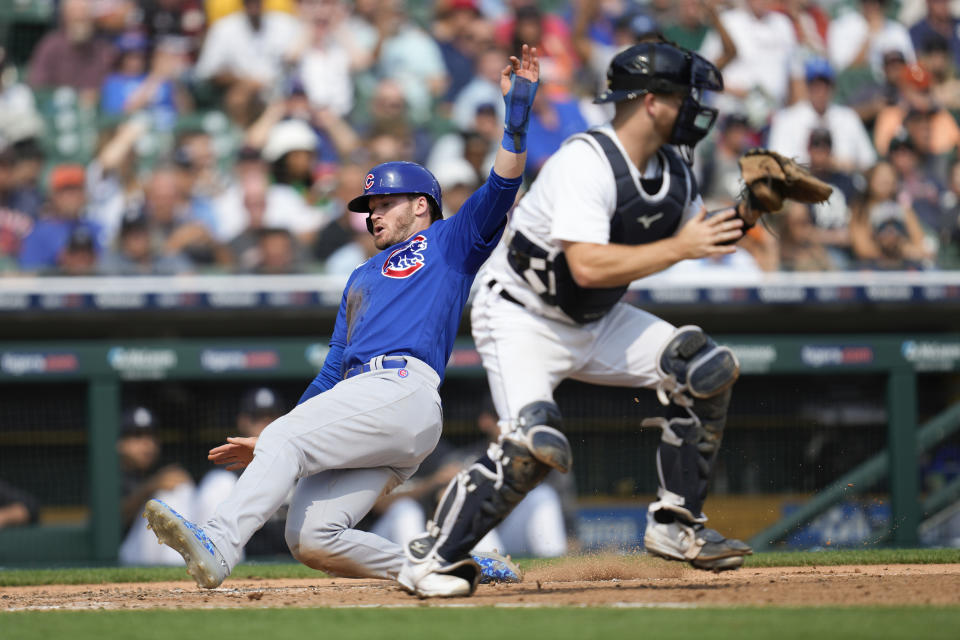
(330, 372)
(475, 230)
(113, 95)
(36, 252)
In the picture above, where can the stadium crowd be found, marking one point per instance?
(225, 136)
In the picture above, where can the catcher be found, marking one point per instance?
(611, 206)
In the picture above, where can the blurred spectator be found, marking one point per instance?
(916, 95)
(625, 30)
(409, 56)
(142, 479)
(884, 233)
(553, 118)
(278, 251)
(547, 32)
(189, 174)
(72, 55)
(291, 152)
(757, 80)
(17, 507)
(858, 39)
(245, 54)
(831, 219)
(131, 88)
(457, 180)
(61, 217)
(389, 112)
(196, 153)
(810, 24)
(325, 63)
(19, 118)
(919, 186)
(134, 255)
(252, 203)
(718, 165)
(217, 9)
(800, 248)
(633, 26)
(232, 215)
(174, 18)
(113, 185)
(79, 256)
(333, 138)
(940, 24)
(462, 34)
(174, 226)
(791, 127)
(348, 179)
(356, 251)
(477, 143)
(25, 192)
(483, 89)
(262, 248)
(933, 54)
(15, 224)
(112, 17)
(258, 407)
(870, 97)
(690, 23)
(949, 254)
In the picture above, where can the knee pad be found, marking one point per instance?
(693, 367)
(481, 496)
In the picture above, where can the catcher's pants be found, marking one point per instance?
(344, 448)
(526, 355)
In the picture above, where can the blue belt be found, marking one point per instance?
(389, 362)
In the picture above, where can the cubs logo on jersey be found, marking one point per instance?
(407, 260)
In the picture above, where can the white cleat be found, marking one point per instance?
(204, 562)
(435, 579)
(703, 548)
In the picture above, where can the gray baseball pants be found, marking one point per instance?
(343, 448)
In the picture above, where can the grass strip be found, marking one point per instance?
(930, 623)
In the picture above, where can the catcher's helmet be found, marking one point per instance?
(662, 67)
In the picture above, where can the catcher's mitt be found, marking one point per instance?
(770, 178)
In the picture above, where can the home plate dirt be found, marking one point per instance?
(587, 581)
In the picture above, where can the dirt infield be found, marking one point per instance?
(580, 582)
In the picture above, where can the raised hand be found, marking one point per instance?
(528, 68)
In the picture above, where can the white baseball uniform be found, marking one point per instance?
(529, 348)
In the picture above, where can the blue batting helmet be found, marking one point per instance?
(395, 178)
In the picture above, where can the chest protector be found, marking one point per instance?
(636, 220)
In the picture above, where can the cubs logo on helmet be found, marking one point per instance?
(407, 260)
(368, 181)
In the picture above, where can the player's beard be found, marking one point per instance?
(401, 228)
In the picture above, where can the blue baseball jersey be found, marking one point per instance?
(409, 298)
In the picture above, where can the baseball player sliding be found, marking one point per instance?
(373, 413)
(613, 205)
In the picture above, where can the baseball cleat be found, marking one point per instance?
(496, 568)
(433, 578)
(204, 562)
(703, 548)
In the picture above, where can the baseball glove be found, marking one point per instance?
(770, 178)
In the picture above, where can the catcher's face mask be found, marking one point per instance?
(694, 119)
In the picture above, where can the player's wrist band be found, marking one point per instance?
(514, 142)
(518, 102)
